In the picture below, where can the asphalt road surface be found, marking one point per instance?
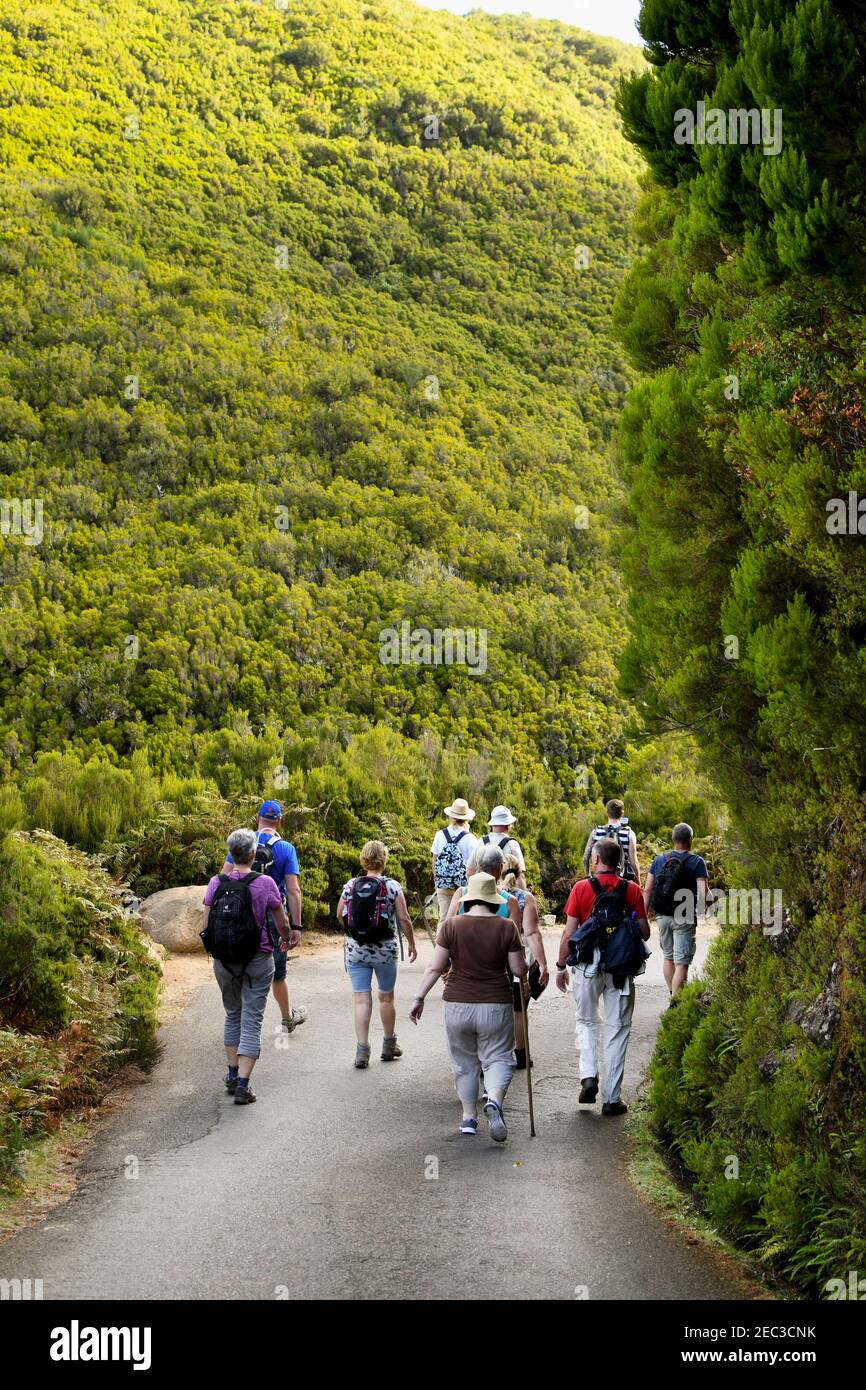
(356, 1185)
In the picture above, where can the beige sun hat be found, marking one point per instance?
(481, 888)
(460, 809)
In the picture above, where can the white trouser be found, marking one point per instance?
(618, 1008)
(480, 1037)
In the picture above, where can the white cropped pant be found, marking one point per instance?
(618, 1007)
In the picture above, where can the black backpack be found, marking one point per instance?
(368, 910)
(500, 844)
(232, 935)
(666, 882)
(614, 930)
(264, 857)
(607, 916)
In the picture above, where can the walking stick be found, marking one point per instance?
(429, 930)
(524, 1013)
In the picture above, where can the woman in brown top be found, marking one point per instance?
(482, 946)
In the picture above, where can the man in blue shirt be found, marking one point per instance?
(676, 889)
(282, 866)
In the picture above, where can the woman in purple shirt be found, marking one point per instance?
(245, 993)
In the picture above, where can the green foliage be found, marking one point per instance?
(748, 611)
(78, 988)
(288, 364)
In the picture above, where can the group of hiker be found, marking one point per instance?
(489, 948)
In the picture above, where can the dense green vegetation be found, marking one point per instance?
(745, 313)
(78, 989)
(288, 365)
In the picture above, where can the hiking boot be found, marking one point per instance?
(298, 1016)
(468, 1126)
(493, 1111)
(362, 1056)
(231, 1083)
(588, 1090)
(613, 1107)
(244, 1095)
(390, 1050)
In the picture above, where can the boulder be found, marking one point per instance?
(172, 918)
(822, 1018)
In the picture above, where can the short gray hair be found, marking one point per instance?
(242, 846)
(487, 859)
(683, 834)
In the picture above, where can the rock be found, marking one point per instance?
(768, 1066)
(172, 918)
(821, 1019)
(549, 919)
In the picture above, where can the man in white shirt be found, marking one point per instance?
(500, 823)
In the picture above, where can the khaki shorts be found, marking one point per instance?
(677, 940)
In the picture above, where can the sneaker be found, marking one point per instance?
(298, 1017)
(390, 1049)
(493, 1111)
(231, 1083)
(614, 1107)
(362, 1056)
(244, 1095)
(468, 1127)
(588, 1090)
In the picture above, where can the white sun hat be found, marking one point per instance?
(500, 815)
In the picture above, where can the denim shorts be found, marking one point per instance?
(281, 959)
(677, 940)
(361, 976)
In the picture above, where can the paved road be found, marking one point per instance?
(322, 1189)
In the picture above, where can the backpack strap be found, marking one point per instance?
(458, 838)
(447, 833)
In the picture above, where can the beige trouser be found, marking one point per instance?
(480, 1038)
(443, 898)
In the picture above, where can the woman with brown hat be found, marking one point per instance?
(482, 947)
(451, 849)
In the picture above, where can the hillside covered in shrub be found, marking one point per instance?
(304, 333)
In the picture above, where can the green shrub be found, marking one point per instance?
(78, 988)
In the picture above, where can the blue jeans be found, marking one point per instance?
(244, 1000)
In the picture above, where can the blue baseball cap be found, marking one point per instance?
(272, 809)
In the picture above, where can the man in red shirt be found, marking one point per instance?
(590, 984)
